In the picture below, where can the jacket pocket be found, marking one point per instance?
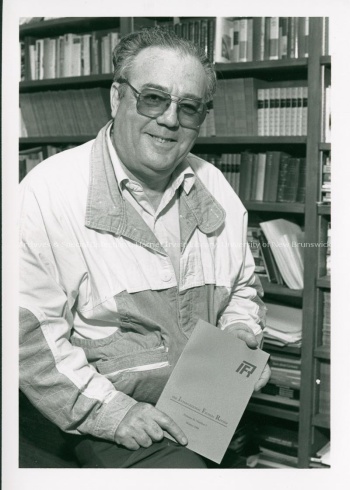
(136, 361)
(141, 375)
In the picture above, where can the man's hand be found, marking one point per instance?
(143, 425)
(246, 334)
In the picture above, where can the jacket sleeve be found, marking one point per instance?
(245, 306)
(54, 374)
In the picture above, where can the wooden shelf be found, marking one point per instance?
(326, 60)
(324, 209)
(273, 411)
(54, 140)
(279, 290)
(251, 140)
(275, 207)
(325, 146)
(324, 282)
(293, 68)
(55, 27)
(287, 349)
(66, 82)
(323, 352)
(321, 420)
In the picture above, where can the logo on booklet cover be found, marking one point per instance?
(246, 367)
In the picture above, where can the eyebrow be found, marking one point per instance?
(187, 95)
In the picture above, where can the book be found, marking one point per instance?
(273, 273)
(286, 240)
(271, 175)
(288, 179)
(210, 387)
(223, 45)
(246, 172)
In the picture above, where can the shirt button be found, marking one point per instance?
(165, 276)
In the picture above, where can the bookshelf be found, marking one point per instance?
(312, 215)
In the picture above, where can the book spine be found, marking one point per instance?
(261, 109)
(243, 39)
(294, 111)
(236, 41)
(267, 38)
(288, 179)
(291, 37)
(204, 35)
(284, 37)
(266, 112)
(299, 127)
(302, 181)
(304, 112)
(283, 111)
(211, 37)
(288, 118)
(277, 125)
(272, 112)
(273, 38)
(250, 40)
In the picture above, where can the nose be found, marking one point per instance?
(169, 117)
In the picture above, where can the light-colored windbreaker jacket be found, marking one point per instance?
(102, 317)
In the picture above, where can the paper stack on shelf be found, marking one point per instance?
(283, 324)
(323, 457)
(284, 239)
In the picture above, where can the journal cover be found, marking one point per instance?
(210, 387)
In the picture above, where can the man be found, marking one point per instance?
(127, 240)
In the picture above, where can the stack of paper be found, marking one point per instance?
(323, 457)
(285, 239)
(283, 324)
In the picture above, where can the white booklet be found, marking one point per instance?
(210, 387)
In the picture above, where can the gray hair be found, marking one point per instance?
(130, 45)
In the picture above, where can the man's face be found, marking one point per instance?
(152, 148)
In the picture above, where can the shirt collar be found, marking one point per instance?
(112, 213)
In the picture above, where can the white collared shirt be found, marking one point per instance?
(164, 222)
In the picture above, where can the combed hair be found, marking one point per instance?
(130, 45)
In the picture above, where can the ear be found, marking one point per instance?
(115, 98)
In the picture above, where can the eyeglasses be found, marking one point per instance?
(152, 103)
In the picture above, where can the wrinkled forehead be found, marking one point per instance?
(170, 69)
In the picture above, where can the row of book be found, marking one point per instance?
(326, 130)
(65, 112)
(277, 249)
(241, 39)
(326, 323)
(326, 188)
(329, 249)
(252, 107)
(271, 176)
(324, 388)
(68, 55)
(277, 446)
(199, 31)
(30, 158)
(282, 111)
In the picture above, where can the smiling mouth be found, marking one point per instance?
(162, 140)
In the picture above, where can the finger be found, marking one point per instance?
(143, 439)
(248, 338)
(264, 378)
(166, 423)
(155, 432)
(129, 444)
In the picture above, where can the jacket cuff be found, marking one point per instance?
(112, 414)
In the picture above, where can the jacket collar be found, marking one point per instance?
(108, 211)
